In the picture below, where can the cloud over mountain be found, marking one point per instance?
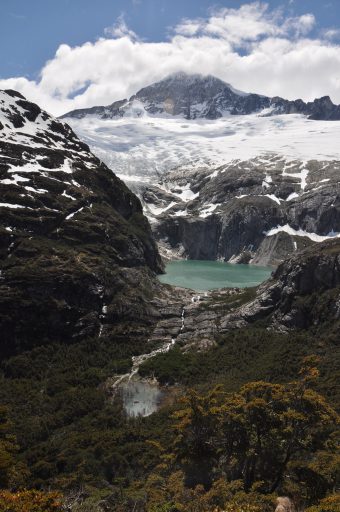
(253, 48)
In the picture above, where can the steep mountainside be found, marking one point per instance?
(76, 252)
(258, 210)
(198, 96)
(304, 293)
(255, 186)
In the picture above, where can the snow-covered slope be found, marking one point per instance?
(146, 146)
(219, 171)
(198, 120)
(277, 171)
(24, 123)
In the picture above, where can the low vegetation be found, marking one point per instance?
(266, 430)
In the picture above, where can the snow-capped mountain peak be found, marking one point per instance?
(190, 96)
(180, 94)
(195, 96)
(184, 80)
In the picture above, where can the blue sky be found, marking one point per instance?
(66, 54)
(32, 30)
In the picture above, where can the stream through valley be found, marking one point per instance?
(142, 397)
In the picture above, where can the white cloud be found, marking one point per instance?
(331, 33)
(120, 29)
(298, 26)
(252, 48)
(188, 27)
(247, 23)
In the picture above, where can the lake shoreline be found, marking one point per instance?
(205, 275)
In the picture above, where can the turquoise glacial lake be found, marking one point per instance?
(211, 275)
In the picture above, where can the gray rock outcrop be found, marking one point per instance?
(304, 291)
(259, 210)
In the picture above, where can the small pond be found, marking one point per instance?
(211, 275)
(140, 398)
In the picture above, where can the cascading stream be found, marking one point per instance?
(141, 398)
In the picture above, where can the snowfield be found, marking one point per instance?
(142, 147)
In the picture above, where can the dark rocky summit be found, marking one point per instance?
(198, 96)
(76, 253)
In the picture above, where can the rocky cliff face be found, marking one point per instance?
(303, 292)
(259, 210)
(198, 96)
(319, 109)
(76, 253)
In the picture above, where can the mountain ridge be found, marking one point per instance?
(205, 97)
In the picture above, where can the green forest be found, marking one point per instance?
(251, 419)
